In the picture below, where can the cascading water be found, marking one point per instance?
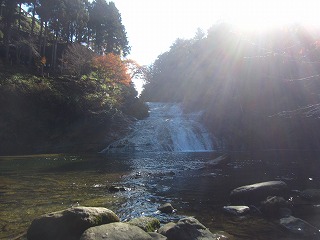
(166, 129)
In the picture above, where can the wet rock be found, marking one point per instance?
(221, 160)
(114, 188)
(115, 231)
(69, 224)
(273, 206)
(148, 224)
(299, 227)
(157, 236)
(255, 193)
(311, 195)
(166, 227)
(236, 210)
(166, 208)
(187, 229)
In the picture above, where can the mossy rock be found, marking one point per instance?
(148, 224)
(69, 224)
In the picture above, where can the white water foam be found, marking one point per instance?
(166, 129)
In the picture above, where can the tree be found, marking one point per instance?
(107, 34)
(77, 59)
(9, 16)
(111, 68)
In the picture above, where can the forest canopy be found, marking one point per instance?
(63, 68)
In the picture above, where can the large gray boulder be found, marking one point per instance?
(300, 227)
(115, 231)
(257, 192)
(69, 224)
(187, 229)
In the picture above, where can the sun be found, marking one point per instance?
(262, 14)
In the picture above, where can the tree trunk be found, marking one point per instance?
(19, 20)
(10, 9)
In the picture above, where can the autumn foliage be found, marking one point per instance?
(111, 67)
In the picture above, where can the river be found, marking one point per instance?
(34, 185)
(154, 170)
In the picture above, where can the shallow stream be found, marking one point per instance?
(34, 185)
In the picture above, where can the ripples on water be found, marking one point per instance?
(33, 185)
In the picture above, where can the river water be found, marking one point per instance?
(34, 185)
(160, 161)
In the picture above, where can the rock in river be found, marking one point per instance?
(166, 208)
(300, 227)
(188, 229)
(236, 210)
(254, 193)
(69, 224)
(115, 231)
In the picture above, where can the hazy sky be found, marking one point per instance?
(153, 25)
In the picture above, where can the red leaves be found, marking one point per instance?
(112, 67)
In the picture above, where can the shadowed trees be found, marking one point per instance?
(254, 86)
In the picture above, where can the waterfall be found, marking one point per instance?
(166, 129)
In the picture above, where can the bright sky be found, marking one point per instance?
(153, 25)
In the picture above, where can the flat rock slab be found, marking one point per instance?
(69, 224)
(257, 192)
(236, 210)
(115, 231)
(300, 227)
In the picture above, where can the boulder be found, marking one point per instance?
(115, 231)
(300, 227)
(166, 208)
(274, 206)
(236, 210)
(69, 224)
(255, 193)
(187, 229)
(148, 224)
(157, 236)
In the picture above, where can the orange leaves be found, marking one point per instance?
(112, 67)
